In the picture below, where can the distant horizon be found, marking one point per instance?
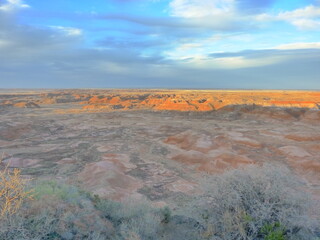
(167, 89)
(175, 44)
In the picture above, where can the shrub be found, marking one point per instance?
(255, 203)
(54, 216)
(132, 220)
(166, 214)
(145, 226)
(242, 204)
(12, 191)
(273, 231)
(62, 191)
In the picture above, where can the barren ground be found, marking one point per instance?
(134, 147)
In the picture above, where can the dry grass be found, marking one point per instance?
(12, 190)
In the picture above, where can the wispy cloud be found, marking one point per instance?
(12, 5)
(307, 18)
(224, 23)
(209, 43)
(299, 45)
(199, 9)
(70, 31)
(292, 53)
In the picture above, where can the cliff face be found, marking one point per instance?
(171, 100)
(203, 101)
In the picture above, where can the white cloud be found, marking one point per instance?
(204, 62)
(303, 18)
(307, 18)
(302, 45)
(306, 24)
(197, 47)
(195, 55)
(12, 5)
(307, 12)
(199, 9)
(68, 30)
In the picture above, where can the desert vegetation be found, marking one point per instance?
(257, 202)
(12, 190)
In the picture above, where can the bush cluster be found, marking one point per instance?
(256, 203)
(12, 190)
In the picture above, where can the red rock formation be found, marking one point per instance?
(26, 105)
(174, 100)
(176, 104)
(306, 104)
(47, 101)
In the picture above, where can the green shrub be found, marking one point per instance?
(166, 214)
(273, 231)
(58, 190)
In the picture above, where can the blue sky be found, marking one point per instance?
(246, 44)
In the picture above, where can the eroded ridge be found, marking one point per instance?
(177, 100)
(122, 144)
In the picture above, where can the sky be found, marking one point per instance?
(199, 44)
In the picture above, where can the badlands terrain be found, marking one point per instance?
(156, 144)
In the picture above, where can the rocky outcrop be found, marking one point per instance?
(204, 100)
(26, 105)
(168, 100)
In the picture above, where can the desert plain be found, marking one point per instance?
(157, 144)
